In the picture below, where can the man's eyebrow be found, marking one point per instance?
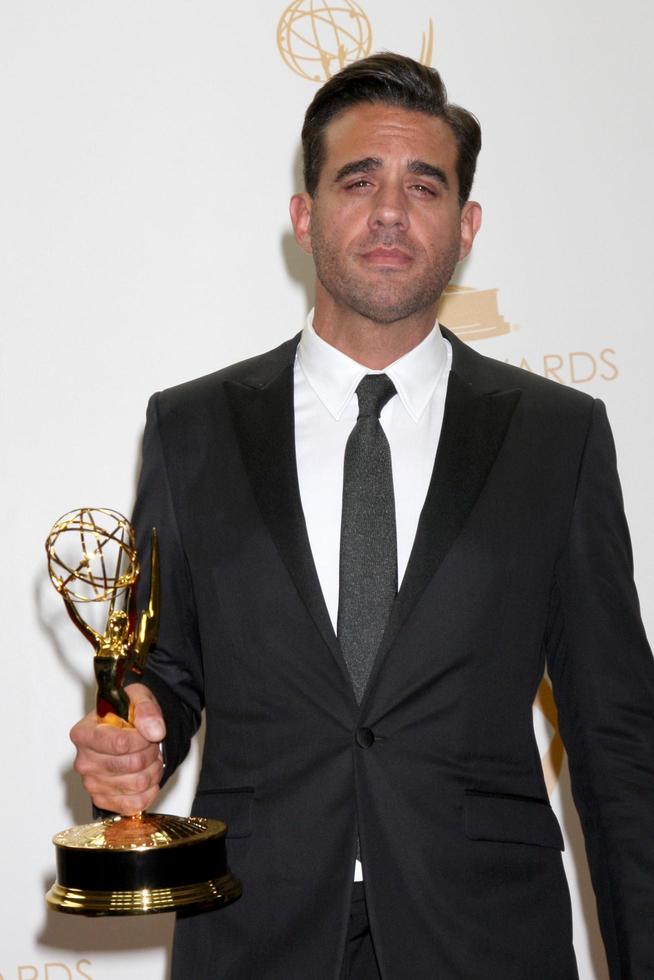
(363, 166)
(422, 169)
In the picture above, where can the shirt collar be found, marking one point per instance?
(334, 376)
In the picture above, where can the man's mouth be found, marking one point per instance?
(394, 257)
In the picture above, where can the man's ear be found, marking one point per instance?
(470, 224)
(300, 209)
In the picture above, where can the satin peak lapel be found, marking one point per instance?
(474, 427)
(264, 422)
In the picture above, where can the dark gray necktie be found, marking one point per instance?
(368, 563)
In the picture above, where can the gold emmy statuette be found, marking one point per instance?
(150, 862)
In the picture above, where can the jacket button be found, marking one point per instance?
(365, 737)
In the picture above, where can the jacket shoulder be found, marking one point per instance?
(492, 375)
(253, 372)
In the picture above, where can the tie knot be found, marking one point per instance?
(373, 391)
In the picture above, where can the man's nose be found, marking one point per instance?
(389, 209)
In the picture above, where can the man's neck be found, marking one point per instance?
(375, 345)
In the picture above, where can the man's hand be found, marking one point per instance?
(121, 766)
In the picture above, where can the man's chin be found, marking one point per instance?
(385, 311)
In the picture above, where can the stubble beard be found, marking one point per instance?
(388, 296)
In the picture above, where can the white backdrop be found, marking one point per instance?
(149, 151)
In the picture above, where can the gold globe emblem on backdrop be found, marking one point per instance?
(317, 39)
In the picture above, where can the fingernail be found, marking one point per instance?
(154, 730)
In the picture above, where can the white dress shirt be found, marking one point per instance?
(326, 409)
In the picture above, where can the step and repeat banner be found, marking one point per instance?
(149, 152)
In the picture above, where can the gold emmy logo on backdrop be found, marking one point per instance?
(471, 314)
(150, 862)
(318, 39)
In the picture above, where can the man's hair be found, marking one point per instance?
(394, 80)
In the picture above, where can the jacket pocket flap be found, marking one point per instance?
(232, 806)
(515, 819)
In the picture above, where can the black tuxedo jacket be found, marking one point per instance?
(521, 559)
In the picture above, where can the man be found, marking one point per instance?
(293, 493)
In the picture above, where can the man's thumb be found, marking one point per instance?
(148, 719)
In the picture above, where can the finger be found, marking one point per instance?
(91, 735)
(82, 732)
(126, 805)
(120, 765)
(125, 785)
(148, 718)
(94, 763)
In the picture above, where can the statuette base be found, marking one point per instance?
(141, 865)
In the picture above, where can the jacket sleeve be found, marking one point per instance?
(174, 666)
(603, 678)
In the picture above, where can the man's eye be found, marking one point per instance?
(361, 182)
(423, 189)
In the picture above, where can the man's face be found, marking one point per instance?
(385, 227)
